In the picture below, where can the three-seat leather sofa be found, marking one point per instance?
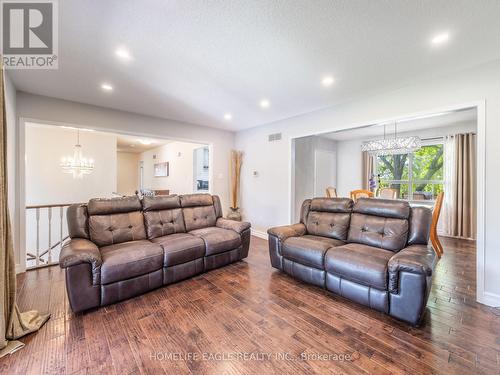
(374, 252)
(123, 247)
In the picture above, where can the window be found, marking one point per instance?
(416, 176)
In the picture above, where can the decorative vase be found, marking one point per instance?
(234, 214)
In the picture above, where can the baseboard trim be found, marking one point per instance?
(19, 268)
(258, 233)
(490, 299)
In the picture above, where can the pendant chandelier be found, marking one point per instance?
(392, 146)
(77, 165)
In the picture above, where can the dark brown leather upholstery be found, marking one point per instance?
(218, 240)
(116, 228)
(309, 249)
(78, 221)
(237, 226)
(161, 202)
(163, 222)
(382, 208)
(339, 205)
(374, 252)
(123, 247)
(361, 264)
(180, 248)
(100, 206)
(129, 259)
(420, 224)
(78, 251)
(383, 232)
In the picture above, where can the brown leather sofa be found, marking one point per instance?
(123, 247)
(373, 252)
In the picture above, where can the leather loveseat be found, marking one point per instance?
(373, 252)
(123, 247)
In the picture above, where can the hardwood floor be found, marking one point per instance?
(208, 323)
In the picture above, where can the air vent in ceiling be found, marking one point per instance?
(274, 137)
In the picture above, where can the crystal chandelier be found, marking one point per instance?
(392, 146)
(77, 165)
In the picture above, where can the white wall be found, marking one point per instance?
(45, 181)
(349, 163)
(180, 158)
(266, 198)
(127, 173)
(10, 103)
(305, 149)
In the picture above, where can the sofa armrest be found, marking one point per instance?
(78, 251)
(417, 259)
(237, 226)
(287, 231)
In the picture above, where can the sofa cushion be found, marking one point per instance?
(180, 248)
(160, 202)
(383, 208)
(218, 240)
(308, 250)
(383, 232)
(164, 222)
(328, 224)
(129, 259)
(107, 206)
(362, 264)
(116, 228)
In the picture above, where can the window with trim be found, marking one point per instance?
(416, 176)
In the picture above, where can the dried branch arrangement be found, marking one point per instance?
(236, 160)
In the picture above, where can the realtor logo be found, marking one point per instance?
(29, 34)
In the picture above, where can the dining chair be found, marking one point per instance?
(388, 193)
(436, 212)
(331, 192)
(361, 193)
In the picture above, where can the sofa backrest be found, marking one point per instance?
(163, 215)
(200, 210)
(420, 225)
(382, 223)
(78, 221)
(327, 217)
(115, 220)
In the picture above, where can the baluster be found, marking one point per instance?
(49, 260)
(61, 214)
(37, 259)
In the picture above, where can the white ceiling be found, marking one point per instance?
(195, 60)
(438, 120)
(129, 143)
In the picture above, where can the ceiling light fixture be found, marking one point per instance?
(327, 81)
(392, 146)
(77, 165)
(106, 87)
(123, 54)
(145, 142)
(440, 38)
(228, 116)
(264, 103)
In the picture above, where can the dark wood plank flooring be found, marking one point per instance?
(248, 318)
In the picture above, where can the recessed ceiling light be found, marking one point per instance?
(228, 116)
(327, 81)
(264, 103)
(106, 87)
(440, 38)
(123, 54)
(145, 142)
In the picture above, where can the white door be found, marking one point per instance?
(325, 171)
